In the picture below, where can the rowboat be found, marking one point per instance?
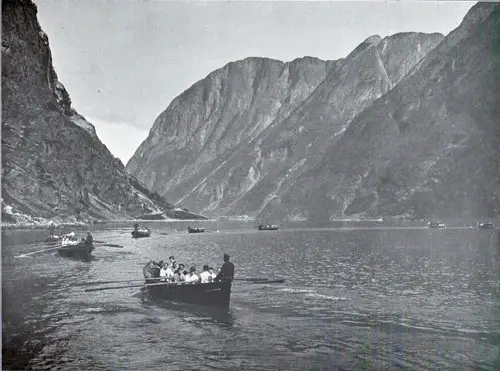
(79, 251)
(485, 225)
(216, 294)
(138, 233)
(52, 239)
(273, 227)
(436, 225)
(195, 230)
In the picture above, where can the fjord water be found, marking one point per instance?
(354, 299)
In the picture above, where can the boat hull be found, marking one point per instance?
(138, 234)
(485, 226)
(196, 230)
(81, 252)
(268, 228)
(206, 294)
(52, 239)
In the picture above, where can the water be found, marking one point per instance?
(354, 299)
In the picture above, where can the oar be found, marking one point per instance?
(33, 244)
(124, 287)
(268, 281)
(256, 280)
(107, 244)
(35, 252)
(106, 282)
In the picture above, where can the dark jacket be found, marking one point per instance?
(89, 240)
(226, 272)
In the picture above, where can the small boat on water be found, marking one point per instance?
(195, 230)
(215, 294)
(432, 224)
(79, 251)
(267, 227)
(52, 238)
(485, 225)
(139, 233)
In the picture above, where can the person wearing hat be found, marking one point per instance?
(88, 241)
(192, 277)
(226, 273)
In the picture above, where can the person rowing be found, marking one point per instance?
(89, 240)
(226, 273)
(152, 269)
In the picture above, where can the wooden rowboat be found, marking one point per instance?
(216, 294)
(79, 251)
(435, 225)
(485, 225)
(273, 227)
(195, 230)
(139, 233)
(52, 239)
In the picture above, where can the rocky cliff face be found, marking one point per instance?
(233, 142)
(53, 164)
(428, 148)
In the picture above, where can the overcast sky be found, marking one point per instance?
(123, 62)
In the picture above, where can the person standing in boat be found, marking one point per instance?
(226, 273)
(173, 263)
(88, 240)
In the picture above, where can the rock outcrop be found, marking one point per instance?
(233, 142)
(53, 163)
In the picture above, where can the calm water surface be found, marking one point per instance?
(354, 299)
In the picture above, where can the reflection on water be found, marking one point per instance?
(195, 313)
(353, 299)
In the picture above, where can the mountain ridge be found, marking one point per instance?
(232, 183)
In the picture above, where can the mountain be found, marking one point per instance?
(231, 143)
(53, 163)
(430, 147)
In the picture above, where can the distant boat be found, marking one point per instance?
(195, 230)
(485, 225)
(139, 233)
(436, 225)
(268, 227)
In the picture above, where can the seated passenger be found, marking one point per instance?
(205, 276)
(179, 273)
(167, 273)
(212, 273)
(151, 270)
(192, 277)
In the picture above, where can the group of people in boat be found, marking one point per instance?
(70, 239)
(171, 271)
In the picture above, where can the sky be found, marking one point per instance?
(122, 62)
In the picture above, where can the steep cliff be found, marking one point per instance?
(428, 148)
(53, 164)
(240, 137)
